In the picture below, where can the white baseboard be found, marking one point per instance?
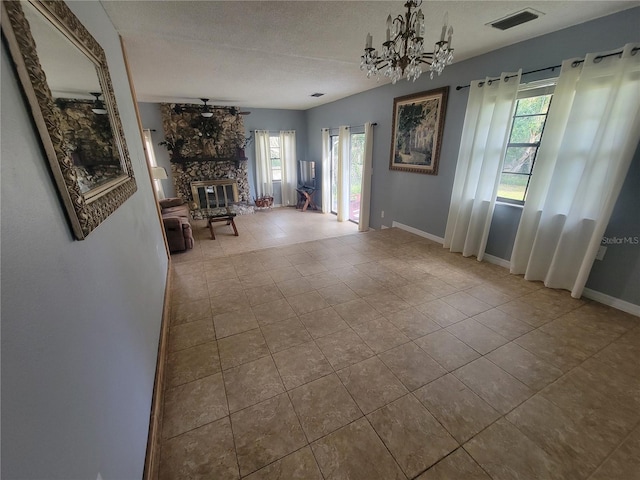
(605, 299)
(497, 261)
(415, 231)
(489, 258)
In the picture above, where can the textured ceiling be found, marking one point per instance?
(275, 54)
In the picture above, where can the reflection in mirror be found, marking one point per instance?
(73, 79)
(89, 141)
(66, 80)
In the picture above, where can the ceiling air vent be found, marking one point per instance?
(317, 94)
(515, 19)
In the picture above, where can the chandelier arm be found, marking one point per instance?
(400, 21)
(394, 41)
(380, 62)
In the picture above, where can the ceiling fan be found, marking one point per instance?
(235, 111)
(206, 110)
(98, 105)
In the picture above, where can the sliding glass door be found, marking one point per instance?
(356, 161)
(355, 175)
(334, 174)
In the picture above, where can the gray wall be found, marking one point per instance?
(80, 319)
(422, 201)
(502, 233)
(152, 120)
(618, 274)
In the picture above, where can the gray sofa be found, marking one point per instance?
(177, 226)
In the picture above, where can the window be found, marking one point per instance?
(524, 141)
(276, 160)
(151, 156)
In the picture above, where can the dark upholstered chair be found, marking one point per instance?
(177, 227)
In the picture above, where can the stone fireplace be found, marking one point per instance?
(204, 149)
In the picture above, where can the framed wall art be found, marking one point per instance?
(64, 74)
(418, 121)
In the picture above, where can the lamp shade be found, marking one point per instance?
(98, 106)
(99, 111)
(158, 173)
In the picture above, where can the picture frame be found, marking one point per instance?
(418, 122)
(65, 78)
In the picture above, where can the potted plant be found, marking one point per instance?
(241, 142)
(173, 145)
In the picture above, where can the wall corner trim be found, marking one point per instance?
(415, 231)
(605, 299)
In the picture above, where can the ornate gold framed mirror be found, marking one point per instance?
(64, 73)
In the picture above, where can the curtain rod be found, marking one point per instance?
(374, 124)
(274, 131)
(552, 68)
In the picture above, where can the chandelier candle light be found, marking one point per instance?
(402, 52)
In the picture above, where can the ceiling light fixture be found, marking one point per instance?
(402, 52)
(98, 105)
(206, 109)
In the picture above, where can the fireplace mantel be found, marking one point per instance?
(182, 160)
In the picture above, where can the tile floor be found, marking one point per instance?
(304, 350)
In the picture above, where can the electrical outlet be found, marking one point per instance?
(601, 251)
(382, 214)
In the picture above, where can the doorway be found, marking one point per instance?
(356, 162)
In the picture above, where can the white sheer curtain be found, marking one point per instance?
(344, 150)
(485, 134)
(367, 172)
(592, 130)
(289, 167)
(264, 175)
(326, 171)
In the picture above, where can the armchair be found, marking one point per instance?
(177, 227)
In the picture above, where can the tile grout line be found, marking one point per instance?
(614, 450)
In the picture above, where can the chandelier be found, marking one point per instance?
(403, 53)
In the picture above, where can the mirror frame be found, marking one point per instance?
(85, 211)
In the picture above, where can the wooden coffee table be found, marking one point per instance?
(222, 214)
